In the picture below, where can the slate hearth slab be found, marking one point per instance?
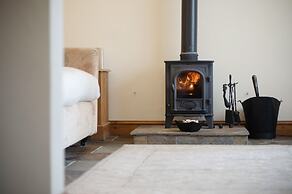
(188, 169)
(157, 134)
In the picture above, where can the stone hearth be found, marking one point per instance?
(157, 134)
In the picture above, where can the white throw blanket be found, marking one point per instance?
(78, 86)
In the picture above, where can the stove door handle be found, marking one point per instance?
(173, 87)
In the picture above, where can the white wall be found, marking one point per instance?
(244, 37)
(31, 58)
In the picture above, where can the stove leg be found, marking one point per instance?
(168, 121)
(209, 120)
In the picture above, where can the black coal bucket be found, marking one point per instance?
(261, 116)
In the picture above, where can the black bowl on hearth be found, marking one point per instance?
(188, 127)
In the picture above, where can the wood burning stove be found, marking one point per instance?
(189, 81)
(189, 90)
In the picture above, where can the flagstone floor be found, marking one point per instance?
(80, 159)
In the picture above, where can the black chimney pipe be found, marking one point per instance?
(189, 30)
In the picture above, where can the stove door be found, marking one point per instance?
(188, 88)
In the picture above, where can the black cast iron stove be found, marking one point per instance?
(189, 81)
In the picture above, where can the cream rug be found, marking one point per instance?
(206, 169)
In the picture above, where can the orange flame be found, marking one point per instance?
(188, 81)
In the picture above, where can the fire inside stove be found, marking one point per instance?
(189, 85)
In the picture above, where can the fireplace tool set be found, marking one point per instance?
(231, 113)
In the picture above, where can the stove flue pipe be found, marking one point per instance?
(189, 30)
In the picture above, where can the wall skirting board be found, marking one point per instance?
(123, 128)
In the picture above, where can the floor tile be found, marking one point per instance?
(70, 176)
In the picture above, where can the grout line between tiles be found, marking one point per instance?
(99, 147)
(116, 137)
(70, 163)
